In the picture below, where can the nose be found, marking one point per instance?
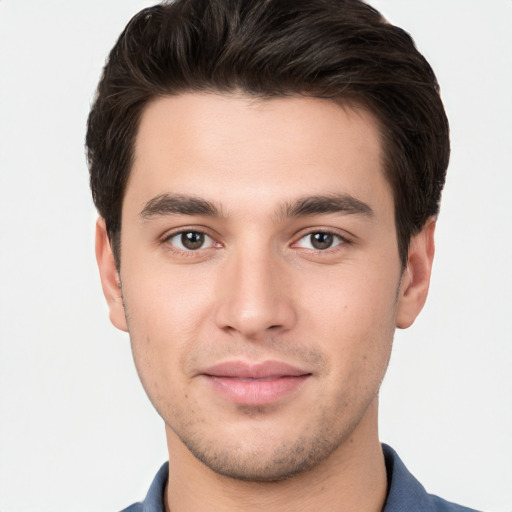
(255, 296)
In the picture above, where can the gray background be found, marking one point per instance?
(77, 432)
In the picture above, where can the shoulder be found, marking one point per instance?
(405, 493)
(136, 507)
(440, 505)
(154, 501)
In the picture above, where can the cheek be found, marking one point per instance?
(354, 319)
(165, 312)
(167, 298)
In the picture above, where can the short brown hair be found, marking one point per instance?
(342, 50)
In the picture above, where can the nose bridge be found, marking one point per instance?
(254, 296)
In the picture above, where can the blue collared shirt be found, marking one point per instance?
(405, 493)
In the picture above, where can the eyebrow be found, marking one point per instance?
(321, 204)
(168, 204)
(177, 204)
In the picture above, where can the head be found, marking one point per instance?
(268, 174)
(343, 51)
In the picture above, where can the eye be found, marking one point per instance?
(190, 240)
(320, 241)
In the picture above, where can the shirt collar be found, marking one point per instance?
(405, 493)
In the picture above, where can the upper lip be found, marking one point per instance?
(260, 370)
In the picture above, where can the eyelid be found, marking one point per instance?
(166, 238)
(345, 238)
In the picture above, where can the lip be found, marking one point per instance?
(255, 384)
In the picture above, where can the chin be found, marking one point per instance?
(271, 463)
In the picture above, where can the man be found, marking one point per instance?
(268, 176)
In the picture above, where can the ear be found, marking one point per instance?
(416, 276)
(109, 275)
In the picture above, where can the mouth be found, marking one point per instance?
(255, 384)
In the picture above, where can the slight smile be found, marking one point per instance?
(255, 384)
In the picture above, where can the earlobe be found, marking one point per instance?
(416, 277)
(109, 277)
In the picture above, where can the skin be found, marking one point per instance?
(259, 290)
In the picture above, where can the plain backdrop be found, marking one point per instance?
(76, 430)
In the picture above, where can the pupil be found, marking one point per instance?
(192, 240)
(321, 240)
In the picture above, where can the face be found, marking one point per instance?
(261, 282)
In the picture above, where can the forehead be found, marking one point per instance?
(231, 147)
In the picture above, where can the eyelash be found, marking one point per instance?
(167, 240)
(342, 241)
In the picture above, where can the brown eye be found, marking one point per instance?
(321, 240)
(190, 240)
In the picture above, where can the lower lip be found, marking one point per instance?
(254, 392)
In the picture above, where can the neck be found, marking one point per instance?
(353, 478)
